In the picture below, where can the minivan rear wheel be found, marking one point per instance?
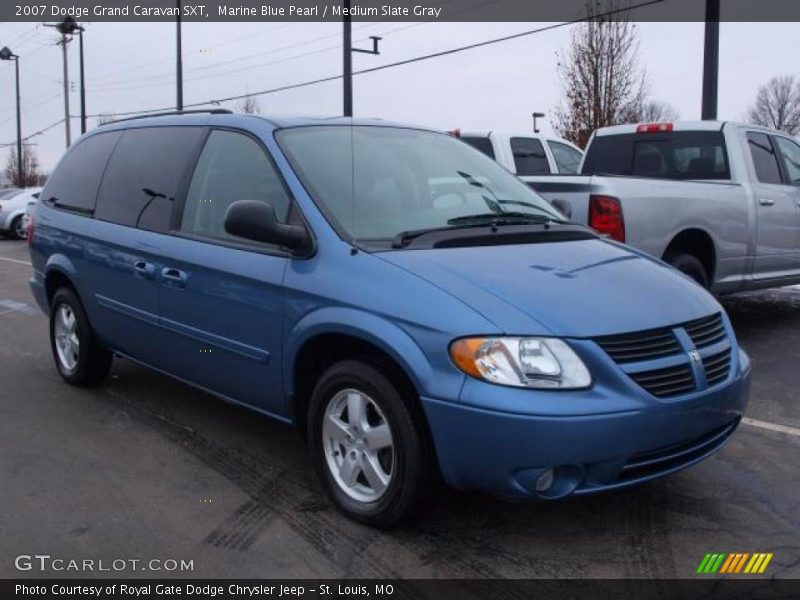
(368, 448)
(79, 358)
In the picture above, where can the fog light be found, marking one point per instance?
(545, 480)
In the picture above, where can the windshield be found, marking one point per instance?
(376, 182)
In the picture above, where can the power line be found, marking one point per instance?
(41, 131)
(407, 61)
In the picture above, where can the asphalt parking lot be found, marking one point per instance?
(145, 467)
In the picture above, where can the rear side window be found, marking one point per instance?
(679, 155)
(484, 144)
(567, 158)
(790, 151)
(74, 184)
(765, 160)
(144, 174)
(231, 167)
(529, 156)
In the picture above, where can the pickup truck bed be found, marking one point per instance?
(735, 226)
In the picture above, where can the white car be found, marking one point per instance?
(526, 154)
(13, 207)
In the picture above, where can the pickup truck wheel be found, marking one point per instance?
(691, 266)
(79, 358)
(368, 449)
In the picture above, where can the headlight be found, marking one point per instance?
(521, 362)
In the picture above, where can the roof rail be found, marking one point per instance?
(212, 111)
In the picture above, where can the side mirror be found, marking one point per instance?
(255, 220)
(562, 206)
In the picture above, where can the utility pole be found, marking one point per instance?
(347, 57)
(63, 43)
(67, 29)
(179, 65)
(83, 84)
(711, 61)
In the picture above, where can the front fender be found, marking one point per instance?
(380, 332)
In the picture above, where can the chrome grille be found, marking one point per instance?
(717, 367)
(663, 383)
(643, 345)
(705, 332)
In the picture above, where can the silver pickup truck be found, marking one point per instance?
(718, 201)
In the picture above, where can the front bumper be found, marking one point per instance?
(505, 453)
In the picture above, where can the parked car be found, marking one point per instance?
(718, 201)
(526, 154)
(12, 212)
(29, 209)
(400, 297)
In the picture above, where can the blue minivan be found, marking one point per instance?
(414, 308)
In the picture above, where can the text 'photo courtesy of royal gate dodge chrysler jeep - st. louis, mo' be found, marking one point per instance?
(414, 308)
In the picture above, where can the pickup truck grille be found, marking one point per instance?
(641, 355)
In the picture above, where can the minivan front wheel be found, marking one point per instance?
(79, 358)
(367, 445)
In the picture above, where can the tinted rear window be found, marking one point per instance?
(73, 185)
(144, 174)
(765, 160)
(677, 155)
(484, 144)
(529, 156)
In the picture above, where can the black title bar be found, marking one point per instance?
(394, 10)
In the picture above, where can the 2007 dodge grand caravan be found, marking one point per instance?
(391, 290)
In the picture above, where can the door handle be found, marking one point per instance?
(766, 202)
(144, 269)
(173, 277)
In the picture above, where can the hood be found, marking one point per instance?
(582, 288)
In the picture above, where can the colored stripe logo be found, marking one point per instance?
(735, 563)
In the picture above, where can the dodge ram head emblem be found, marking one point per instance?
(694, 356)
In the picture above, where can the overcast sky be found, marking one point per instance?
(130, 67)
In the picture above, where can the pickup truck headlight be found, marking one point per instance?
(531, 362)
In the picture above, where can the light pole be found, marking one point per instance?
(536, 116)
(711, 61)
(6, 54)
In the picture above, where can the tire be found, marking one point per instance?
(691, 266)
(407, 461)
(85, 363)
(14, 232)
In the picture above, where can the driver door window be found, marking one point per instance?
(231, 167)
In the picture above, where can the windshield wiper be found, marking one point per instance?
(403, 238)
(503, 218)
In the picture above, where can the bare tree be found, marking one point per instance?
(653, 111)
(31, 176)
(602, 81)
(249, 105)
(777, 105)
